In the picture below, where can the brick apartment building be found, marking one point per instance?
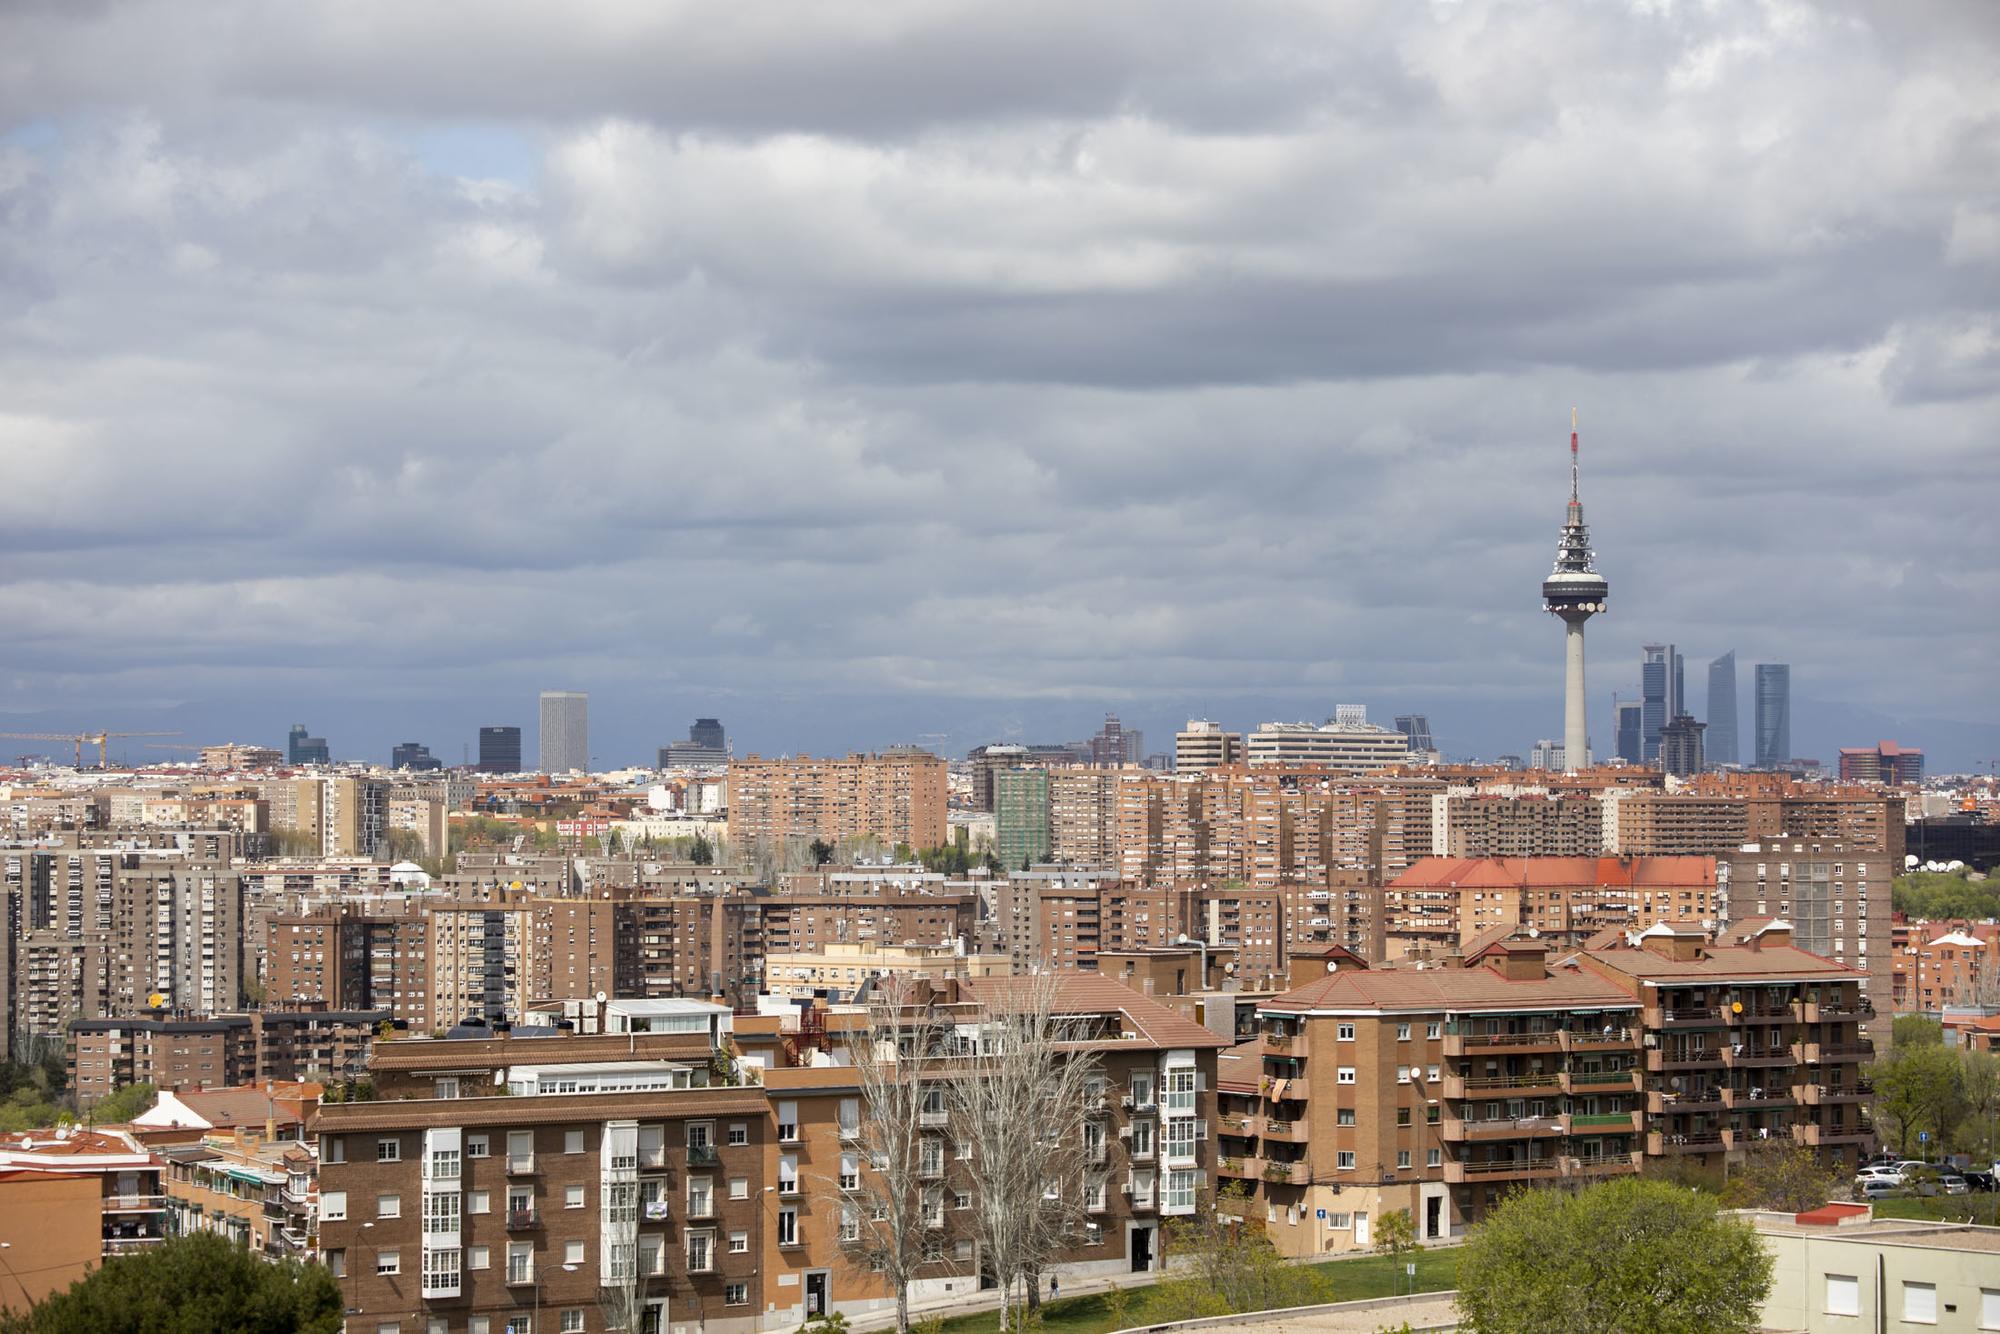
(1439, 1088)
(625, 1159)
(897, 797)
(1443, 902)
(328, 1046)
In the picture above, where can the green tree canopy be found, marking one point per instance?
(123, 1105)
(1916, 1030)
(1636, 1256)
(1778, 1174)
(197, 1284)
(1919, 1090)
(1936, 896)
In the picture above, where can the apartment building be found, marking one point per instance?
(1437, 1089)
(1455, 900)
(484, 960)
(1723, 812)
(218, 1051)
(256, 1192)
(839, 972)
(1884, 762)
(1206, 745)
(353, 957)
(338, 816)
(1021, 810)
(1950, 963)
(1482, 824)
(1822, 886)
(1083, 816)
(899, 796)
(128, 1208)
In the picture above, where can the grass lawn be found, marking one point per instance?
(1978, 1208)
(1362, 1276)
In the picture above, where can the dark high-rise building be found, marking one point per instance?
(1417, 727)
(708, 732)
(706, 746)
(413, 755)
(1116, 745)
(303, 749)
(1721, 740)
(1772, 682)
(500, 750)
(1661, 679)
(1680, 747)
(1628, 716)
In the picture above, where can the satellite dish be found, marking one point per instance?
(603, 997)
(1333, 965)
(1534, 933)
(1675, 1083)
(1736, 1007)
(156, 1001)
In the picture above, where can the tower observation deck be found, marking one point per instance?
(1575, 592)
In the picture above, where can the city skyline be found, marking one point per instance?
(1030, 394)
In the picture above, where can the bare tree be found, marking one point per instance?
(1021, 1092)
(883, 1218)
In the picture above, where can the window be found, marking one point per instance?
(1343, 1116)
(388, 1151)
(850, 1117)
(1402, 1116)
(701, 1197)
(520, 1324)
(441, 1267)
(962, 1150)
(478, 1324)
(700, 1251)
(1402, 1074)
(520, 1262)
(573, 1252)
(1431, 1114)
(475, 1146)
(441, 1211)
(572, 1321)
(572, 1141)
(788, 1120)
(1989, 1308)
(1142, 1090)
(1434, 1029)
(850, 1171)
(1142, 1139)
(739, 1133)
(1402, 1032)
(336, 1262)
(332, 1206)
(788, 1171)
(736, 1294)
(1180, 1089)
(478, 1257)
(1181, 1137)
(388, 1262)
(447, 1086)
(788, 1227)
(1344, 1160)
(573, 1197)
(478, 1201)
(1181, 1189)
(388, 1206)
(1843, 1294)
(739, 1243)
(1433, 1158)
(1344, 1075)
(850, 1223)
(739, 1188)
(1919, 1303)
(520, 1151)
(332, 1149)
(1402, 1159)
(960, 1200)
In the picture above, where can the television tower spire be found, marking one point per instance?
(1574, 591)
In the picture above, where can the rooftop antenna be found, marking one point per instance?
(1572, 456)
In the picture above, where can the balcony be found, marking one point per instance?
(127, 1245)
(1244, 1126)
(133, 1204)
(1279, 1043)
(934, 1120)
(1602, 1123)
(1472, 1086)
(1456, 1131)
(1286, 1132)
(704, 1155)
(1809, 1132)
(523, 1220)
(1661, 1142)
(521, 1165)
(1683, 1016)
(1280, 1089)
(1600, 1081)
(1762, 1014)
(1522, 1169)
(1246, 1167)
(1822, 1095)
(1828, 1053)
(1596, 1039)
(1821, 1012)
(1287, 1174)
(1662, 1059)
(1493, 1044)
(1662, 1101)
(1778, 1095)
(1744, 1057)
(1602, 1165)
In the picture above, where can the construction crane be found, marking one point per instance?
(101, 740)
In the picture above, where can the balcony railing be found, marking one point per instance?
(1595, 1039)
(1461, 1044)
(1681, 1058)
(1494, 1169)
(1688, 1141)
(1293, 1174)
(133, 1204)
(523, 1220)
(1505, 1127)
(704, 1155)
(1602, 1123)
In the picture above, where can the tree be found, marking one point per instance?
(197, 1284)
(1778, 1174)
(702, 853)
(883, 1217)
(1943, 896)
(1981, 1072)
(1916, 1030)
(822, 852)
(1636, 1256)
(1396, 1233)
(1226, 1264)
(1020, 1100)
(123, 1105)
(405, 845)
(1919, 1091)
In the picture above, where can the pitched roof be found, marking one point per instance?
(1723, 961)
(1087, 993)
(1555, 872)
(1454, 989)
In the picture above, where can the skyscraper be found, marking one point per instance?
(1574, 591)
(1631, 732)
(303, 749)
(1417, 727)
(413, 755)
(1721, 739)
(1773, 685)
(500, 750)
(1660, 691)
(1680, 747)
(565, 736)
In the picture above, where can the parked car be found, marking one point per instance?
(1880, 1172)
(1954, 1184)
(1981, 1181)
(1877, 1188)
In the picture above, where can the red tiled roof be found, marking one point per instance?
(1448, 988)
(1084, 993)
(1553, 872)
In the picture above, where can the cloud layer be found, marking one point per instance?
(1135, 356)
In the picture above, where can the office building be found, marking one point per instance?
(303, 749)
(1574, 592)
(1885, 762)
(1629, 726)
(1681, 748)
(1205, 745)
(500, 750)
(1021, 817)
(1773, 686)
(1332, 745)
(565, 734)
(1116, 745)
(1548, 755)
(1720, 741)
(706, 747)
(413, 755)
(1660, 677)
(1417, 727)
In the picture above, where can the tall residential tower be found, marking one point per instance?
(1574, 591)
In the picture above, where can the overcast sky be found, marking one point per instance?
(861, 371)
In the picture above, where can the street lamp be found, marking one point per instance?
(567, 1269)
(350, 1276)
